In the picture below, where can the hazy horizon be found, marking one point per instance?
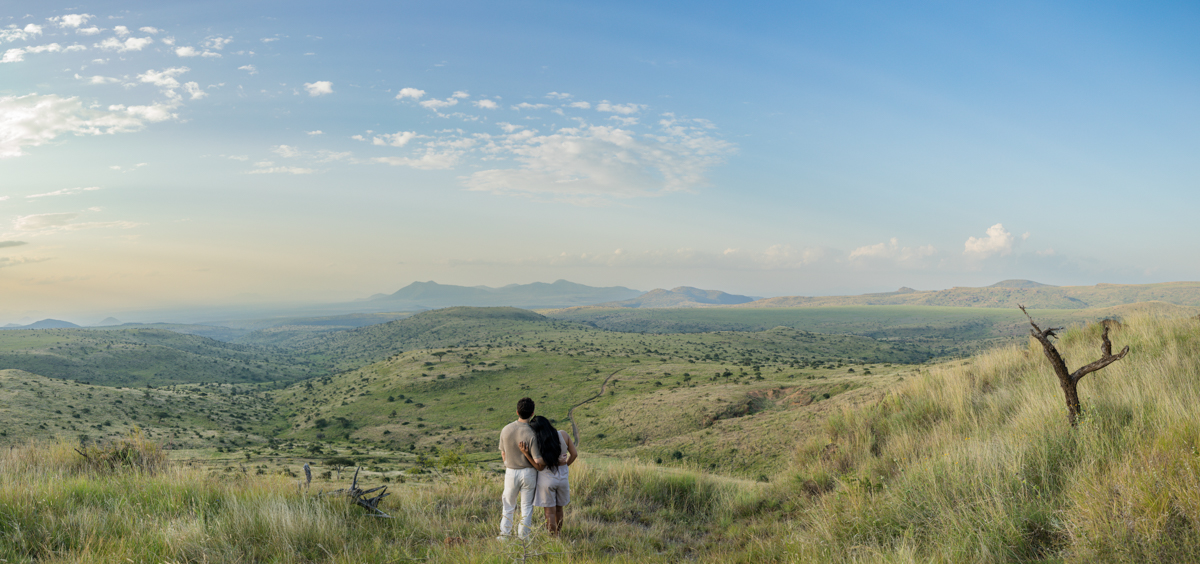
(159, 156)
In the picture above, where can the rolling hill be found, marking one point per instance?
(1008, 294)
(683, 296)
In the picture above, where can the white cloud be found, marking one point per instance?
(998, 242)
(315, 132)
(18, 54)
(269, 39)
(558, 95)
(163, 79)
(486, 104)
(413, 93)
(436, 105)
(217, 43)
(44, 223)
(249, 68)
(195, 90)
(603, 161)
(33, 120)
(429, 161)
(581, 105)
(88, 30)
(624, 109)
(398, 139)
(528, 106)
(508, 127)
(460, 94)
(193, 52)
(282, 170)
(286, 151)
(891, 250)
(64, 192)
(120, 30)
(148, 29)
(169, 40)
(20, 34)
(71, 20)
(319, 88)
(131, 44)
(151, 113)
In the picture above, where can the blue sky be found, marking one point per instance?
(171, 154)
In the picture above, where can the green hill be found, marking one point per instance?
(137, 357)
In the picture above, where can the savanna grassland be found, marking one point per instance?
(773, 445)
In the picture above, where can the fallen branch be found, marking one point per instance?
(360, 498)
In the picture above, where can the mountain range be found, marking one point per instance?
(430, 295)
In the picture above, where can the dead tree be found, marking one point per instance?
(1070, 380)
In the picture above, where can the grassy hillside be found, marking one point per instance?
(137, 357)
(181, 417)
(974, 461)
(674, 399)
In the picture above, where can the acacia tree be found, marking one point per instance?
(1069, 381)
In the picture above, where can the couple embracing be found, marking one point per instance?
(536, 457)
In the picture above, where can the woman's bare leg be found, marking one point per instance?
(551, 520)
(558, 513)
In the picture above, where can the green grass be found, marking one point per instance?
(974, 461)
(930, 330)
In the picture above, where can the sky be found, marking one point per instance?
(194, 154)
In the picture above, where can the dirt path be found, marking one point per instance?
(571, 412)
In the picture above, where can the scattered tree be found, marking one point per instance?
(1070, 380)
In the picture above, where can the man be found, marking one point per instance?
(520, 477)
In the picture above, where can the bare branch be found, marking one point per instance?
(1066, 379)
(1107, 358)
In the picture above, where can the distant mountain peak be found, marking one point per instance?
(1018, 283)
(561, 293)
(682, 296)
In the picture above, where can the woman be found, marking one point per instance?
(558, 452)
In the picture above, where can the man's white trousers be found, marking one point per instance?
(522, 482)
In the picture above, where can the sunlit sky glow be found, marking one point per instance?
(182, 154)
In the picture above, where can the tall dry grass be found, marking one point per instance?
(975, 462)
(55, 506)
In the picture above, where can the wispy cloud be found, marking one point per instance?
(46, 223)
(603, 161)
(189, 51)
(34, 120)
(64, 192)
(623, 109)
(891, 251)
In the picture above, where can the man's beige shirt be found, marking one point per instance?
(512, 434)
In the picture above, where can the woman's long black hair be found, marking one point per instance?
(547, 440)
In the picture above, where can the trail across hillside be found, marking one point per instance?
(571, 412)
